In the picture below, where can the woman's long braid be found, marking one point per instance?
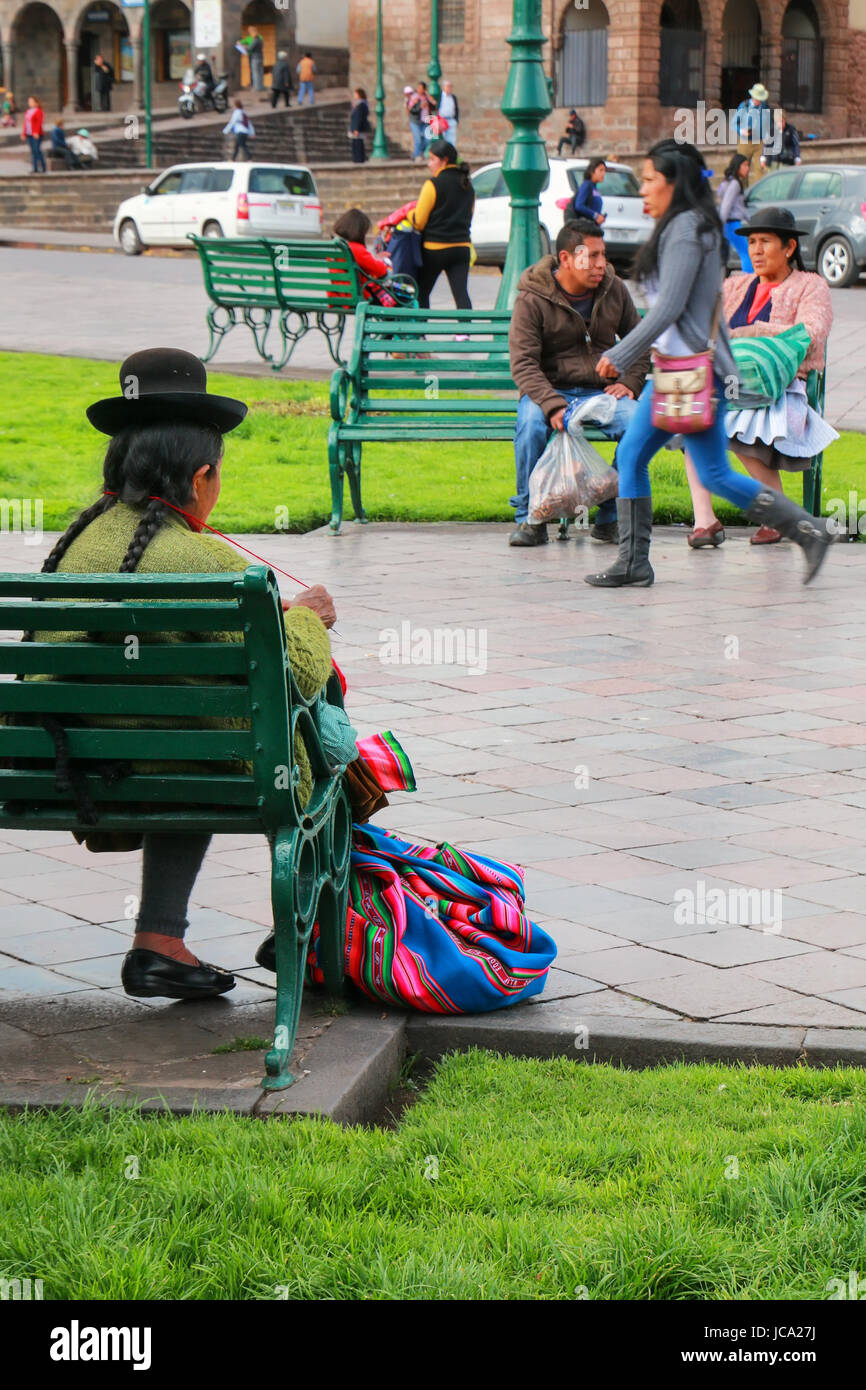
(102, 504)
(155, 514)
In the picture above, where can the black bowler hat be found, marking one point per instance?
(161, 385)
(778, 220)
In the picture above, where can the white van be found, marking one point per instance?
(214, 200)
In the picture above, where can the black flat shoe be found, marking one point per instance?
(266, 955)
(147, 975)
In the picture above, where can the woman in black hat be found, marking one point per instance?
(787, 435)
(164, 459)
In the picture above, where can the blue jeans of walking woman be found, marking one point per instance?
(739, 243)
(708, 449)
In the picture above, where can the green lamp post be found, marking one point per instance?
(148, 119)
(525, 168)
(434, 71)
(380, 140)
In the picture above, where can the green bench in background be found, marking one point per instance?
(103, 673)
(307, 283)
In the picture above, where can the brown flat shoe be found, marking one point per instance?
(702, 536)
(765, 535)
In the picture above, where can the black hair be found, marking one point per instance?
(575, 233)
(443, 149)
(352, 225)
(143, 463)
(592, 166)
(682, 165)
(734, 165)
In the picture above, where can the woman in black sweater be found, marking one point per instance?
(359, 124)
(443, 215)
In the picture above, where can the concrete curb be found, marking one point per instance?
(557, 1031)
(357, 1063)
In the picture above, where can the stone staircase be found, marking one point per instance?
(302, 135)
(87, 202)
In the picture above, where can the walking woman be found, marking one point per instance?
(359, 124)
(587, 200)
(732, 206)
(681, 269)
(443, 215)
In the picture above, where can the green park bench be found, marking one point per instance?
(438, 389)
(118, 666)
(306, 283)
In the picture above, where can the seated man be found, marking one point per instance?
(60, 147)
(569, 310)
(83, 148)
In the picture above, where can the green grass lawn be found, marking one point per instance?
(277, 459)
(508, 1180)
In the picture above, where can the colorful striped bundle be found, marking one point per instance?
(437, 929)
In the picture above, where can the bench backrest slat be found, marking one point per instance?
(148, 704)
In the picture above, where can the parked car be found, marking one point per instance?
(215, 200)
(627, 224)
(829, 202)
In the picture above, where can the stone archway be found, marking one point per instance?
(581, 68)
(101, 29)
(802, 58)
(38, 67)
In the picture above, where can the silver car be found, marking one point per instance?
(625, 228)
(829, 202)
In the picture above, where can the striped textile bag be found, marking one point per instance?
(437, 929)
(766, 366)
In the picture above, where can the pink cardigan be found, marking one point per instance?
(803, 298)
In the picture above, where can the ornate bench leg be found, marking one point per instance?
(216, 329)
(333, 333)
(290, 336)
(291, 950)
(259, 330)
(337, 466)
(353, 472)
(333, 898)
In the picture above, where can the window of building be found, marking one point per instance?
(802, 85)
(681, 57)
(452, 21)
(581, 63)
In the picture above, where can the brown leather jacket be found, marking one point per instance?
(552, 347)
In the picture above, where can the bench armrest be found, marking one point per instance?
(341, 385)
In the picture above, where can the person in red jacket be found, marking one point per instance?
(354, 226)
(32, 133)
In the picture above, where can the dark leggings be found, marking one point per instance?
(454, 260)
(170, 865)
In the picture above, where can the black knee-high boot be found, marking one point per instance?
(635, 520)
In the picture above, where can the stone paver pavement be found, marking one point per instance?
(681, 770)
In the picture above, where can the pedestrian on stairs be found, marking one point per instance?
(281, 79)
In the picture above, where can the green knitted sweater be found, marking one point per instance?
(177, 549)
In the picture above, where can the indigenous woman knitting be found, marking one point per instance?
(430, 927)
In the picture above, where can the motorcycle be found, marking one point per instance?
(195, 96)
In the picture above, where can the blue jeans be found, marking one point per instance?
(418, 128)
(533, 432)
(306, 89)
(38, 158)
(740, 245)
(708, 448)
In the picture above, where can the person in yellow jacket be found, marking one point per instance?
(443, 216)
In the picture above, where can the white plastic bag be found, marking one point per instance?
(571, 475)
